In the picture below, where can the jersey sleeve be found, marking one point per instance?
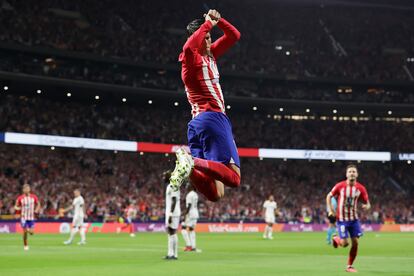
(194, 43)
(335, 190)
(264, 204)
(19, 201)
(229, 38)
(36, 199)
(364, 194)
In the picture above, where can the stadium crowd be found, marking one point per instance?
(149, 77)
(355, 43)
(110, 180)
(154, 123)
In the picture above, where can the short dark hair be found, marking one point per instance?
(351, 166)
(194, 26)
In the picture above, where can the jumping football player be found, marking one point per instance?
(215, 160)
(27, 206)
(347, 194)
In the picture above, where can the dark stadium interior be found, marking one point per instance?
(330, 81)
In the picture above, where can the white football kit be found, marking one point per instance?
(78, 213)
(270, 207)
(169, 195)
(192, 217)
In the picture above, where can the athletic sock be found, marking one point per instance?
(204, 184)
(218, 171)
(175, 245)
(170, 246)
(83, 234)
(270, 232)
(186, 237)
(352, 254)
(193, 239)
(72, 234)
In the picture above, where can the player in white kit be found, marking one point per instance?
(190, 220)
(78, 207)
(269, 209)
(172, 217)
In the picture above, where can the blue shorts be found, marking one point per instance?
(210, 137)
(127, 220)
(27, 224)
(352, 227)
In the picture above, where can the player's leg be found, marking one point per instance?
(331, 230)
(186, 237)
(193, 238)
(270, 231)
(355, 233)
(342, 238)
(352, 253)
(82, 232)
(25, 242)
(214, 152)
(172, 239)
(73, 231)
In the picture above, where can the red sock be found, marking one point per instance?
(204, 185)
(124, 226)
(131, 229)
(352, 254)
(218, 171)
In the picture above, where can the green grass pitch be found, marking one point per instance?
(223, 254)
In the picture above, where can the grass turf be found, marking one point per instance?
(223, 254)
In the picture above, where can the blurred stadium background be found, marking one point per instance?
(312, 86)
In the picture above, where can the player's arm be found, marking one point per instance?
(367, 205)
(38, 206)
(195, 41)
(229, 38)
(17, 208)
(187, 211)
(173, 203)
(329, 205)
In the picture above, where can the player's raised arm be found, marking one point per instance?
(195, 42)
(229, 38)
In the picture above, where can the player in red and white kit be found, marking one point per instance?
(27, 206)
(215, 160)
(130, 213)
(347, 194)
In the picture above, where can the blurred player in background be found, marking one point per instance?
(190, 220)
(215, 160)
(27, 206)
(331, 222)
(269, 210)
(130, 213)
(172, 217)
(347, 194)
(79, 213)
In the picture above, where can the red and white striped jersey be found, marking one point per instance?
(347, 197)
(200, 73)
(27, 204)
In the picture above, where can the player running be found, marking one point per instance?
(27, 206)
(269, 210)
(331, 222)
(215, 160)
(190, 220)
(347, 194)
(172, 218)
(130, 213)
(78, 225)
